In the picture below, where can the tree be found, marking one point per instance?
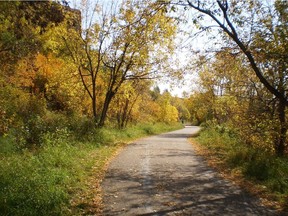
(130, 56)
(168, 112)
(234, 98)
(200, 107)
(121, 47)
(253, 28)
(127, 101)
(183, 112)
(32, 79)
(22, 24)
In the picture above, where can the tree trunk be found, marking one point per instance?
(124, 114)
(94, 107)
(107, 101)
(281, 142)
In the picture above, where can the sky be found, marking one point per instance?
(186, 55)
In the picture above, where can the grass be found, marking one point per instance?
(260, 171)
(62, 176)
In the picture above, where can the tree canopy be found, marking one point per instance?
(104, 67)
(255, 32)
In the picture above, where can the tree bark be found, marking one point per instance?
(280, 144)
(124, 116)
(94, 107)
(108, 98)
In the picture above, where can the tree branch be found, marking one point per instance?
(234, 36)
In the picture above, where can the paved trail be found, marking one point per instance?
(162, 175)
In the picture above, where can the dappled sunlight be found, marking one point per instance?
(162, 175)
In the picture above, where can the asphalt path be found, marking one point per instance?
(162, 175)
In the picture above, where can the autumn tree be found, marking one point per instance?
(147, 27)
(183, 112)
(22, 24)
(127, 102)
(258, 30)
(199, 107)
(150, 98)
(168, 112)
(34, 79)
(121, 46)
(230, 95)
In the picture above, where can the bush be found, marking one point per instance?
(82, 127)
(38, 128)
(8, 145)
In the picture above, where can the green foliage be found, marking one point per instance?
(114, 136)
(8, 145)
(48, 139)
(43, 181)
(36, 184)
(36, 128)
(256, 164)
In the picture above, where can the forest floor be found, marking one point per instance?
(163, 175)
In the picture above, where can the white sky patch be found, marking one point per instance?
(187, 52)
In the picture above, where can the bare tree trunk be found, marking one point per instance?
(280, 144)
(108, 98)
(124, 114)
(94, 107)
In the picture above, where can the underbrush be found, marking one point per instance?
(43, 179)
(42, 182)
(257, 165)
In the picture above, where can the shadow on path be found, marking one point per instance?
(162, 175)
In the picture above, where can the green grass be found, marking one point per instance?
(112, 135)
(256, 165)
(43, 180)
(40, 183)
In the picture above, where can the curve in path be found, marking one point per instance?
(162, 175)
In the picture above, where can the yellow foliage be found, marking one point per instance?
(171, 114)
